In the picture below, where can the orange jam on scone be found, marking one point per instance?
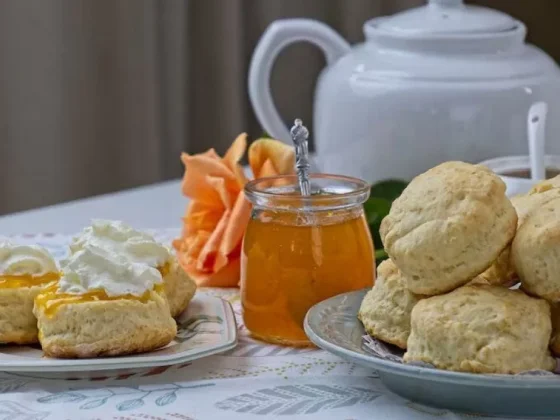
(25, 270)
(26, 280)
(164, 269)
(94, 274)
(50, 299)
(25, 266)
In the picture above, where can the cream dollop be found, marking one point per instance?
(18, 260)
(93, 268)
(121, 239)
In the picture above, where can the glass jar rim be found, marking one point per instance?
(344, 192)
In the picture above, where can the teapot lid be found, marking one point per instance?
(451, 17)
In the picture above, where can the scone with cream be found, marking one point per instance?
(139, 247)
(385, 310)
(448, 226)
(481, 329)
(103, 305)
(24, 271)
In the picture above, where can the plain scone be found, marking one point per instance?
(535, 251)
(555, 339)
(502, 272)
(385, 310)
(449, 225)
(179, 288)
(106, 327)
(18, 325)
(482, 329)
(546, 185)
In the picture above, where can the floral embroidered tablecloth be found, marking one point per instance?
(253, 381)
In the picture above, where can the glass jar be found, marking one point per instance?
(298, 251)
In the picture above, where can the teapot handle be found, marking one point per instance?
(280, 34)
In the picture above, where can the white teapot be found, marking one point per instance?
(440, 82)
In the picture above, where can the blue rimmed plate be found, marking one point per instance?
(333, 325)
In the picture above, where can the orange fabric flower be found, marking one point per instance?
(209, 248)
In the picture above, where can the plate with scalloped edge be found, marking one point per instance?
(333, 325)
(206, 327)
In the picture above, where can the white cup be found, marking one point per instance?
(505, 165)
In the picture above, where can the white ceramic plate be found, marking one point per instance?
(207, 327)
(333, 325)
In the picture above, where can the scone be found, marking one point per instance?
(555, 339)
(24, 272)
(385, 310)
(449, 225)
(481, 329)
(103, 305)
(179, 287)
(535, 251)
(120, 239)
(545, 185)
(525, 205)
(501, 272)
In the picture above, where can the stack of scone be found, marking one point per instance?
(456, 244)
(116, 293)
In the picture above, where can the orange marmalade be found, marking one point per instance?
(51, 300)
(298, 252)
(26, 280)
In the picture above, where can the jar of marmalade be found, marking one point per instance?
(298, 251)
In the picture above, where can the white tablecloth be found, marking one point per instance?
(253, 381)
(153, 206)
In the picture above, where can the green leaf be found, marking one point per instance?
(380, 255)
(388, 189)
(376, 209)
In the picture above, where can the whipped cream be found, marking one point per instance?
(93, 268)
(19, 260)
(119, 238)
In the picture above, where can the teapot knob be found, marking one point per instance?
(446, 3)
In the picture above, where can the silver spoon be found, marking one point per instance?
(299, 137)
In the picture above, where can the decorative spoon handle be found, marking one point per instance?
(299, 137)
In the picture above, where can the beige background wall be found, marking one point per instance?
(101, 95)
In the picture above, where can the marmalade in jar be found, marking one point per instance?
(298, 252)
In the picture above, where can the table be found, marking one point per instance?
(153, 206)
(253, 381)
